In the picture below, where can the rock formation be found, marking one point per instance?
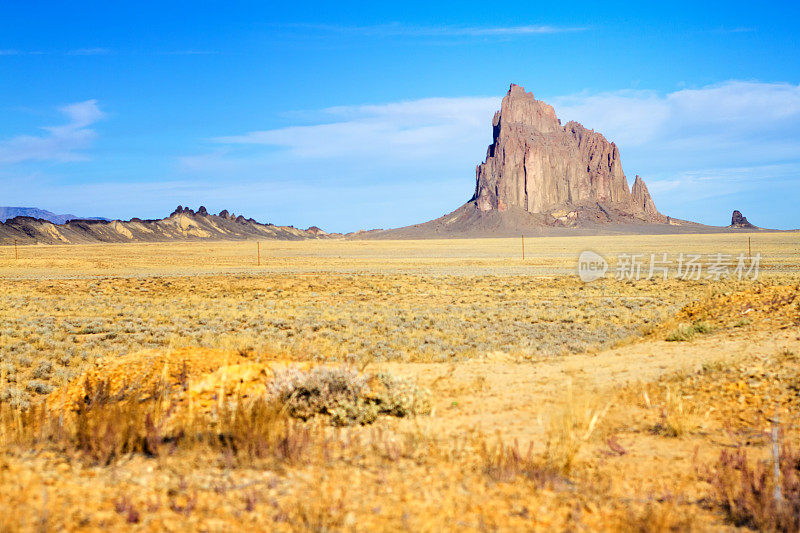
(536, 164)
(641, 199)
(182, 225)
(739, 221)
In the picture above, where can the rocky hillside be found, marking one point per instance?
(183, 224)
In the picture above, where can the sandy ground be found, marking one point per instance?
(495, 395)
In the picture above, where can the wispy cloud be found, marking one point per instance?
(737, 123)
(76, 52)
(740, 29)
(11, 52)
(90, 52)
(400, 131)
(190, 53)
(403, 30)
(58, 143)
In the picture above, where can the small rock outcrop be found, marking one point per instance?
(315, 230)
(537, 165)
(739, 221)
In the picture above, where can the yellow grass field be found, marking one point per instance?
(338, 385)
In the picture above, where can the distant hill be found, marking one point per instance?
(35, 212)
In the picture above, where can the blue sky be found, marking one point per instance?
(363, 115)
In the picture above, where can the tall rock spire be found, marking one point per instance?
(536, 164)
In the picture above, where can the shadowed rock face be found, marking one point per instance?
(740, 221)
(536, 164)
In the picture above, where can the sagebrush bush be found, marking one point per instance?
(39, 387)
(15, 397)
(346, 396)
(43, 369)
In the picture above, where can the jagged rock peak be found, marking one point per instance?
(642, 200)
(740, 221)
(520, 107)
(536, 164)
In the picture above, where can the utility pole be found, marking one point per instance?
(749, 249)
(523, 247)
(16, 254)
(258, 251)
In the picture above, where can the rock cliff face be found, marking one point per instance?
(536, 164)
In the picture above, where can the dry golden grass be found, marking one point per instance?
(555, 405)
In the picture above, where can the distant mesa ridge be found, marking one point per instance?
(35, 212)
(184, 224)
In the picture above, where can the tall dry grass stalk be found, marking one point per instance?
(571, 425)
(675, 418)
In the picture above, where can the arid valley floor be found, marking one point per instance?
(336, 385)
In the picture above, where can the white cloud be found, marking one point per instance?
(734, 124)
(59, 143)
(717, 117)
(395, 133)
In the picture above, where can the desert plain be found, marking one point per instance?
(346, 385)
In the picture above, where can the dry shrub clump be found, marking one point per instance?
(106, 428)
(346, 396)
(110, 422)
(747, 492)
(504, 463)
